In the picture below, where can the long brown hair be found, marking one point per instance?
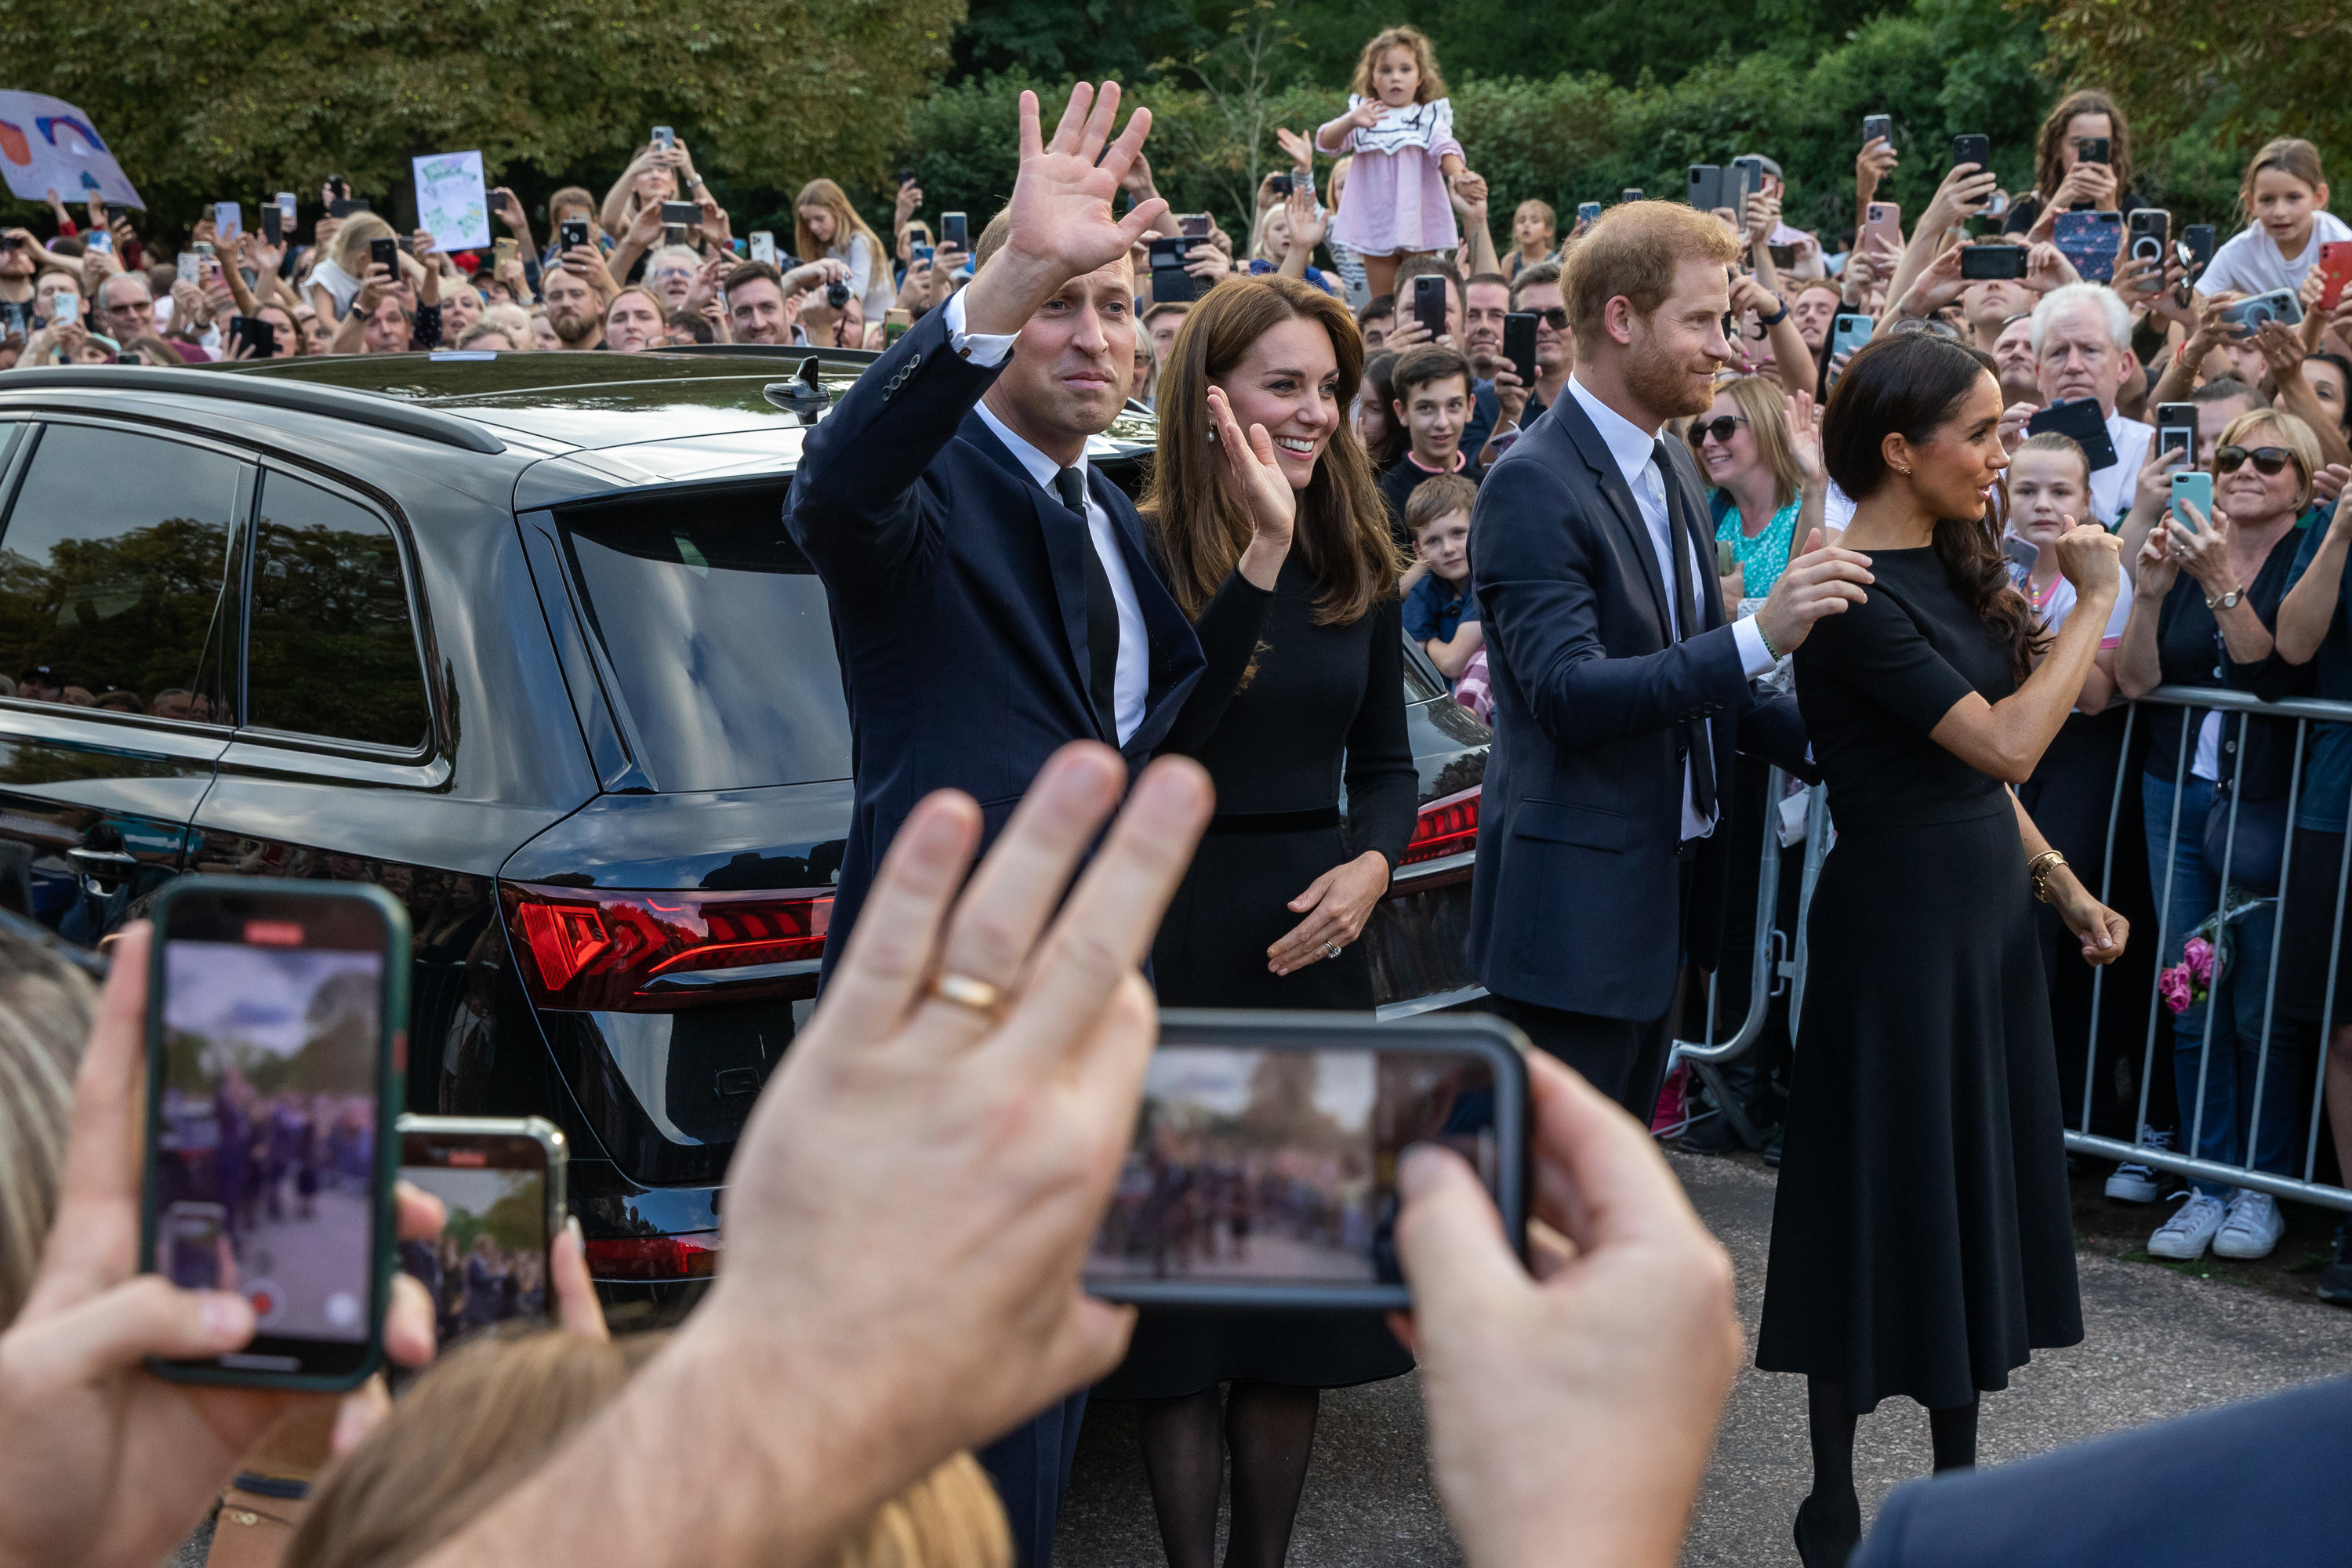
(2049, 166)
(1431, 86)
(1913, 384)
(1343, 527)
(491, 1412)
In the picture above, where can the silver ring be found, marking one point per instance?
(1330, 950)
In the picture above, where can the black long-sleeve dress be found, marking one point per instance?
(1286, 709)
(1922, 1234)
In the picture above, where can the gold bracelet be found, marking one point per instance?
(2039, 869)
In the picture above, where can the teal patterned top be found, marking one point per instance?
(1763, 558)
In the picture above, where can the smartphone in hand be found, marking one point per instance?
(1263, 1171)
(276, 1014)
(1519, 345)
(501, 1179)
(2176, 430)
(384, 251)
(1429, 304)
(2197, 489)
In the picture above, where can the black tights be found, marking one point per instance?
(1834, 1510)
(1270, 1427)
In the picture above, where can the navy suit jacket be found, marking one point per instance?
(1575, 899)
(2267, 1482)
(957, 589)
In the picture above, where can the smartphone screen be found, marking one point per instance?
(269, 1044)
(1193, 225)
(501, 1181)
(1263, 1169)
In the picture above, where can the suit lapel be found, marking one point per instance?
(1612, 481)
(1065, 535)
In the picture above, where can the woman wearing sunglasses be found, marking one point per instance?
(2207, 593)
(1761, 450)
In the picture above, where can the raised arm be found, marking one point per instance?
(2006, 739)
(2310, 604)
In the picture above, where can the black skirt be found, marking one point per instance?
(1210, 952)
(1923, 1235)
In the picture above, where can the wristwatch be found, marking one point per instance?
(2225, 601)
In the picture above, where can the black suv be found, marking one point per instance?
(521, 638)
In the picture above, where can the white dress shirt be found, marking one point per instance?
(1635, 450)
(1133, 683)
(2111, 487)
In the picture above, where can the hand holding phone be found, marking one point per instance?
(501, 1182)
(1429, 304)
(272, 1007)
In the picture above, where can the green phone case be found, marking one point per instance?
(391, 1081)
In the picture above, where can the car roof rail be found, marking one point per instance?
(333, 402)
(859, 357)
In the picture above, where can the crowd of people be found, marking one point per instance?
(1746, 463)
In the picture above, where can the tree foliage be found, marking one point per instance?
(2243, 72)
(214, 99)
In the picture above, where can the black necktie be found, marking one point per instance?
(1678, 549)
(1102, 612)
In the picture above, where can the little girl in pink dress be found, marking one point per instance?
(1398, 129)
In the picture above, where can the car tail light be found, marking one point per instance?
(590, 949)
(654, 1257)
(1444, 826)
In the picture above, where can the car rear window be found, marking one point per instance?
(716, 629)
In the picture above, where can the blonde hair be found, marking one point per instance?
(1761, 401)
(1430, 87)
(47, 1008)
(2290, 156)
(1634, 249)
(491, 1412)
(1542, 209)
(2293, 433)
(1257, 246)
(2054, 441)
(350, 249)
(823, 193)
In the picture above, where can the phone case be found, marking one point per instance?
(1849, 333)
(1471, 1034)
(1706, 186)
(2080, 418)
(391, 1080)
(2090, 240)
(2336, 265)
(1884, 220)
(2197, 490)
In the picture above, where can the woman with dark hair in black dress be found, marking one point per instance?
(1923, 1237)
(1274, 539)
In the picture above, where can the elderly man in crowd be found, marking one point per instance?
(2081, 337)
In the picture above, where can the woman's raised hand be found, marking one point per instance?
(1805, 438)
(2090, 558)
(1252, 475)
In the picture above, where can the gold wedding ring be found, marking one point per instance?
(967, 992)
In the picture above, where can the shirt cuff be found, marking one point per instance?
(1754, 658)
(986, 350)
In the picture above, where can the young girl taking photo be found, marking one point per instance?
(2285, 198)
(1398, 129)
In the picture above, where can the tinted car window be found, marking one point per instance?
(111, 565)
(329, 648)
(717, 627)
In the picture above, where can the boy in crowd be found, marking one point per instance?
(1437, 590)
(1433, 403)
(1375, 320)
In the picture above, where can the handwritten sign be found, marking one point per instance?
(47, 144)
(453, 203)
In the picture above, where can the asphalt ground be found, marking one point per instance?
(2159, 1341)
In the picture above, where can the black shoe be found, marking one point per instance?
(1825, 1544)
(2336, 1279)
(1712, 1134)
(1772, 1147)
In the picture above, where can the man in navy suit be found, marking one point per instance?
(1621, 691)
(992, 596)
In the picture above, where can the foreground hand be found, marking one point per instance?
(106, 1463)
(1336, 904)
(2155, 568)
(918, 1185)
(1570, 1412)
(2090, 558)
(2012, 426)
(1823, 581)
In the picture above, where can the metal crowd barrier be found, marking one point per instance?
(1779, 961)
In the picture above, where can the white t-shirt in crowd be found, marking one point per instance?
(339, 284)
(2250, 262)
(2111, 487)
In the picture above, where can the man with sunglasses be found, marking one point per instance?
(2081, 334)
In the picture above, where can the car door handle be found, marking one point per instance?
(103, 867)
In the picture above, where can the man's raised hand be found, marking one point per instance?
(1062, 222)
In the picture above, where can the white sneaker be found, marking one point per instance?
(2192, 1229)
(2252, 1228)
(2134, 1182)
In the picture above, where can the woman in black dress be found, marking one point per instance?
(1922, 1239)
(1274, 539)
